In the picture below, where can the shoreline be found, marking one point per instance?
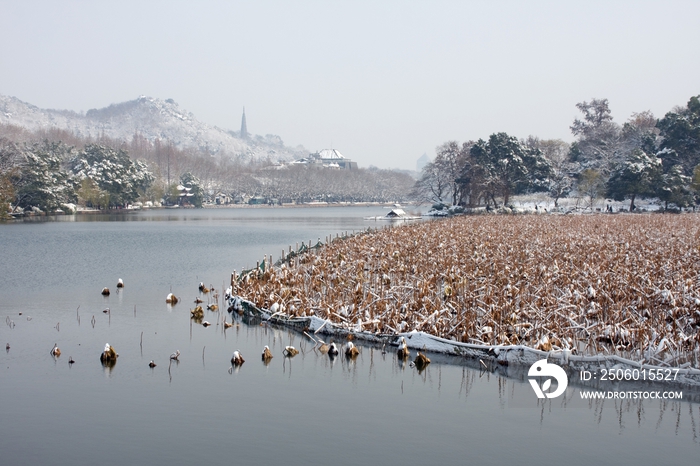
(19, 216)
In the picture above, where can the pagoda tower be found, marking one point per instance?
(244, 127)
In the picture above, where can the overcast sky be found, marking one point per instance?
(381, 81)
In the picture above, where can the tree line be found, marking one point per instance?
(49, 176)
(645, 157)
(53, 169)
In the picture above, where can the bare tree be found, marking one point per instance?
(433, 185)
(560, 181)
(599, 138)
(591, 186)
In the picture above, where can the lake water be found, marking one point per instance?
(305, 410)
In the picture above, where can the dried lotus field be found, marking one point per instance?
(593, 284)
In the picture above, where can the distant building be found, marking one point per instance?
(185, 195)
(222, 198)
(258, 200)
(244, 127)
(327, 158)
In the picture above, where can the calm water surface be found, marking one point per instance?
(306, 410)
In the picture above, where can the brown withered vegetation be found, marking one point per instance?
(592, 284)
(421, 361)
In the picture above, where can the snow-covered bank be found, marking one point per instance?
(516, 357)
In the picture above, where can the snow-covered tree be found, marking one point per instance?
(680, 133)
(113, 172)
(506, 166)
(90, 195)
(637, 175)
(39, 179)
(599, 138)
(10, 155)
(640, 132)
(188, 180)
(695, 184)
(560, 181)
(674, 188)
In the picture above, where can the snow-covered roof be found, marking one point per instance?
(330, 154)
(396, 213)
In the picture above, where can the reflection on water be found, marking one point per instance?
(308, 409)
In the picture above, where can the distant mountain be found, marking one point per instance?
(152, 119)
(422, 162)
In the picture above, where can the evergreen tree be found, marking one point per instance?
(188, 180)
(637, 176)
(506, 167)
(122, 179)
(91, 195)
(10, 155)
(680, 133)
(675, 188)
(40, 181)
(695, 184)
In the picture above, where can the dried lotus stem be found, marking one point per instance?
(615, 284)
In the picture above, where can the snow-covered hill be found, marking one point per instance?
(152, 119)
